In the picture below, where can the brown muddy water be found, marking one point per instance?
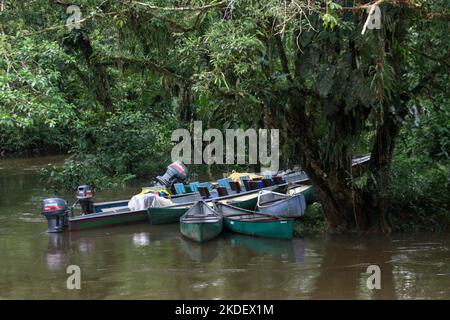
(156, 262)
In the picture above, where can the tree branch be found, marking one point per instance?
(150, 6)
(142, 63)
(441, 61)
(283, 57)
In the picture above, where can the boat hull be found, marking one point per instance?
(103, 217)
(290, 207)
(308, 191)
(249, 204)
(310, 195)
(202, 231)
(98, 220)
(165, 215)
(270, 228)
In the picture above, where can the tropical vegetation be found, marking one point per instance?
(110, 93)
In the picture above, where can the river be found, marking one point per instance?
(156, 262)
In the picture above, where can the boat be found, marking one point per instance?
(118, 213)
(281, 205)
(244, 201)
(113, 213)
(106, 218)
(172, 214)
(166, 215)
(201, 223)
(255, 223)
(307, 190)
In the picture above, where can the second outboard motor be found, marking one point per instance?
(85, 198)
(56, 211)
(176, 172)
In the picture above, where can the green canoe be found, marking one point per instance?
(308, 192)
(254, 223)
(245, 201)
(201, 223)
(166, 215)
(172, 214)
(248, 204)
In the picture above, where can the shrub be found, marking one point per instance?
(126, 146)
(419, 195)
(312, 222)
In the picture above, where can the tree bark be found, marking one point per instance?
(186, 111)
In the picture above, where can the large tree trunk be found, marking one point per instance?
(347, 208)
(324, 156)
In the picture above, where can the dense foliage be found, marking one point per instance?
(111, 92)
(419, 180)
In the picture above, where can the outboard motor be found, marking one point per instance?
(84, 196)
(56, 211)
(176, 172)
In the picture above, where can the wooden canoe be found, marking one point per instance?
(254, 223)
(201, 223)
(281, 205)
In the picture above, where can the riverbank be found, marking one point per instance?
(401, 219)
(314, 223)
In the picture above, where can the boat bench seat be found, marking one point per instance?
(116, 210)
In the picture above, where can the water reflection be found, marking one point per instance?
(56, 255)
(283, 249)
(141, 239)
(299, 249)
(156, 262)
(344, 264)
(198, 252)
(86, 246)
(242, 266)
